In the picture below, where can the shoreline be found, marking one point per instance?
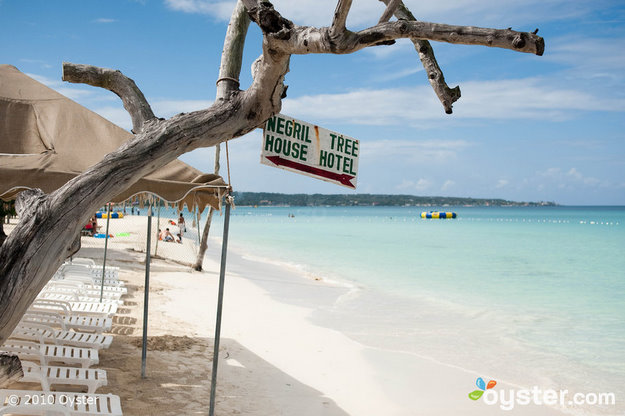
(399, 375)
(275, 358)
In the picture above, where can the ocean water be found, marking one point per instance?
(527, 295)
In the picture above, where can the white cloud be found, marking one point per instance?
(600, 56)
(164, 108)
(302, 12)
(409, 186)
(116, 115)
(496, 12)
(579, 177)
(550, 173)
(68, 90)
(43, 64)
(431, 151)
(168, 108)
(529, 98)
(570, 179)
(449, 184)
(221, 10)
(402, 46)
(502, 183)
(366, 13)
(399, 74)
(105, 20)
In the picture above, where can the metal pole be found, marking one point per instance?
(146, 295)
(106, 245)
(158, 224)
(220, 299)
(197, 216)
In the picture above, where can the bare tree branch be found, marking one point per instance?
(132, 97)
(391, 6)
(340, 17)
(446, 95)
(304, 39)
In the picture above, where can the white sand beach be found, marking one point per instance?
(273, 359)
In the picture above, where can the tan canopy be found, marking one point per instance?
(46, 139)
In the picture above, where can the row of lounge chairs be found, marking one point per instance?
(60, 338)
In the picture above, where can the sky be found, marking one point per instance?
(527, 128)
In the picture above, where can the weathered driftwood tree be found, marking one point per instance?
(49, 225)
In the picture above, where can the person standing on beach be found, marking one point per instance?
(181, 225)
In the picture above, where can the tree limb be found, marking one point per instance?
(340, 17)
(391, 6)
(446, 95)
(133, 99)
(305, 39)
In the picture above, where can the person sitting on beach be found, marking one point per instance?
(168, 236)
(94, 225)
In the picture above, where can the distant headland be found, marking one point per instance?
(277, 199)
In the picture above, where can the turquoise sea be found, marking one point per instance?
(527, 295)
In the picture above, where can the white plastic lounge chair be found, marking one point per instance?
(48, 376)
(84, 287)
(92, 281)
(89, 279)
(48, 353)
(66, 403)
(69, 296)
(109, 292)
(95, 271)
(75, 308)
(67, 322)
(29, 410)
(45, 334)
(111, 272)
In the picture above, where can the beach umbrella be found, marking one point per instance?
(46, 139)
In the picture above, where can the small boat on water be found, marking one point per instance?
(438, 215)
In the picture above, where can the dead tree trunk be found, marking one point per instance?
(50, 224)
(204, 244)
(228, 82)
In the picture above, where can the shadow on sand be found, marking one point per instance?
(178, 370)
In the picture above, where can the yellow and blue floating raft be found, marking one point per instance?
(438, 215)
(113, 214)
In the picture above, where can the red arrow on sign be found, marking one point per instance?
(339, 177)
